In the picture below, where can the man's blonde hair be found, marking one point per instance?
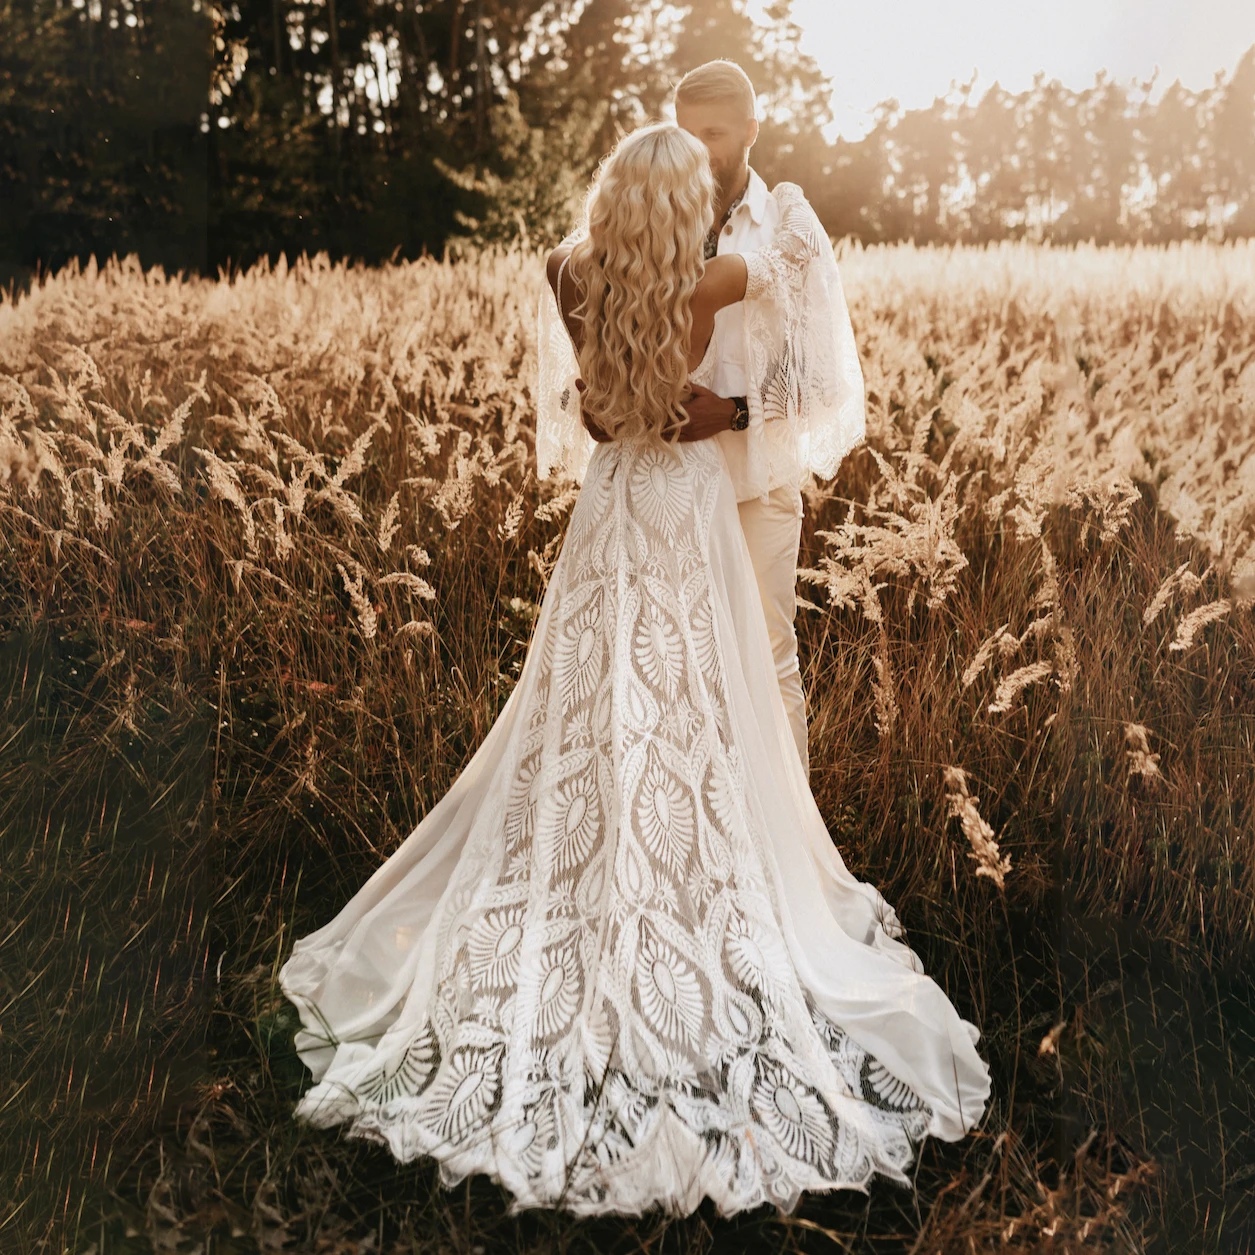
(718, 81)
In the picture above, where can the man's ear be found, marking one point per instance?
(752, 133)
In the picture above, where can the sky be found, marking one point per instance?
(913, 49)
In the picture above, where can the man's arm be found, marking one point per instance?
(709, 414)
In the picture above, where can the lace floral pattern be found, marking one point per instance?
(613, 1018)
(562, 442)
(805, 379)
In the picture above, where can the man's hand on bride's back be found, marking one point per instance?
(708, 412)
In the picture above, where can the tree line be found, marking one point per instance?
(204, 134)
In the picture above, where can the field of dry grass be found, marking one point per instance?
(270, 552)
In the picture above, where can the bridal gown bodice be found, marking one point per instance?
(620, 963)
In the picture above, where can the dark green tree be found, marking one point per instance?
(101, 142)
(199, 134)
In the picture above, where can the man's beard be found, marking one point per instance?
(726, 180)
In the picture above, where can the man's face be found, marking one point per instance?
(728, 137)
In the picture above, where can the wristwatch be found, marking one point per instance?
(741, 416)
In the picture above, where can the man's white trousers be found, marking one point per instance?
(773, 531)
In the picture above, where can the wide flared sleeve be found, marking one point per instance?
(562, 441)
(802, 364)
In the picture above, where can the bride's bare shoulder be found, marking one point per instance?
(553, 263)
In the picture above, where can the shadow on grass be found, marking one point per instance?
(150, 1075)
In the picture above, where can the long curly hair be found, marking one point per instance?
(647, 213)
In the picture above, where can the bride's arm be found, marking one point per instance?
(733, 277)
(723, 283)
(797, 242)
(800, 362)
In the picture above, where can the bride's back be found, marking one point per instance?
(628, 290)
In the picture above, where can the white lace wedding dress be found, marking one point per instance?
(621, 963)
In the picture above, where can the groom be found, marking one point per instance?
(716, 103)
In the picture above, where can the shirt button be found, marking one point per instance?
(728, 229)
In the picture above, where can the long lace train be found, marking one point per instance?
(620, 963)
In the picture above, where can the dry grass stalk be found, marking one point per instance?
(388, 525)
(1010, 687)
(508, 528)
(999, 640)
(224, 484)
(413, 584)
(961, 805)
(1196, 619)
(413, 628)
(1065, 663)
(366, 616)
(885, 700)
(1049, 1044)
(1181, 580)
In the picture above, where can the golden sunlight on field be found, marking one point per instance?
(292, 519)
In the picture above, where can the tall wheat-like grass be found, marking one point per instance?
(292, 518)
(328, 407)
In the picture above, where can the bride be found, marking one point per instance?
(621, 964)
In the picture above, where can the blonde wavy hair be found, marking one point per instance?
(648, 210)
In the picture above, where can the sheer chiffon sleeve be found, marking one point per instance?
(802, 363)
(562, 441)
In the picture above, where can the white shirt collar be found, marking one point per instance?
(756, 195)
